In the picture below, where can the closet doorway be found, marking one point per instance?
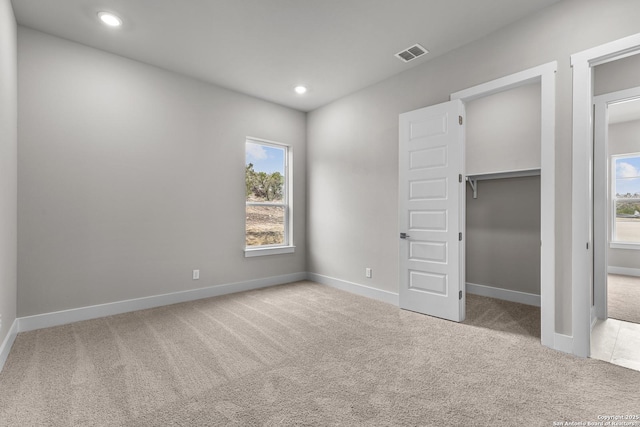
(503, 195)
(430, 285)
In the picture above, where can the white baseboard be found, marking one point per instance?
(57, 318)
(356, 288)
(563, 343)
(504, 294)
(624, 271)
(8, 343)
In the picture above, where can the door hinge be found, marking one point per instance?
(460, 237)
(460, 177)
(460, 295)
(460, 119)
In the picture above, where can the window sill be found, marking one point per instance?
(275, 250)
(624, 245)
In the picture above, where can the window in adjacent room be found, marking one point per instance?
(267, 190)
(626, 198)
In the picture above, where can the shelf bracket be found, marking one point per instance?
(520, 173)
(474, 186)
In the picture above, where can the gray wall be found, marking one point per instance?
(616, 75)
(503, 131)
(8, 166)
(503, 223)
(130, 177)
(503, 234)
(624, 138)
(353, 152)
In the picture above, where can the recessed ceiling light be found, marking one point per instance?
(110, 19)
(300, 89)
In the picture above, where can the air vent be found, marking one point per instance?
(412, 53)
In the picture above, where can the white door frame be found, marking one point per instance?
(602, 220)
(581, 186)
(546, 75)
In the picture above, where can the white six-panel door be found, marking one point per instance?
(431, 217)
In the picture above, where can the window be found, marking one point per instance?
(626, 200)
(267, 190)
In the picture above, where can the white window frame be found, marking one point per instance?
(288, 246)
(617, 244)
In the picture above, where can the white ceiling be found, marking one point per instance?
(266, 47)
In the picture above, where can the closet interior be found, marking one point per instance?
(503, 153)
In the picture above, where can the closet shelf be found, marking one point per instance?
(473, 179)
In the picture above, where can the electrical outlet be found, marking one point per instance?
(196, 274)
(367, 272)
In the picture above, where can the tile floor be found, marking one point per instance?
(616, 342)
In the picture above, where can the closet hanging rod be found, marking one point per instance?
(473, 179)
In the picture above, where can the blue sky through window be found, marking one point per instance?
(628, 175)
(265, 158)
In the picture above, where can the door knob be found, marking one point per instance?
(404, 235)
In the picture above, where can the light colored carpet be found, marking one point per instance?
(623, 298)
(299, 354)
